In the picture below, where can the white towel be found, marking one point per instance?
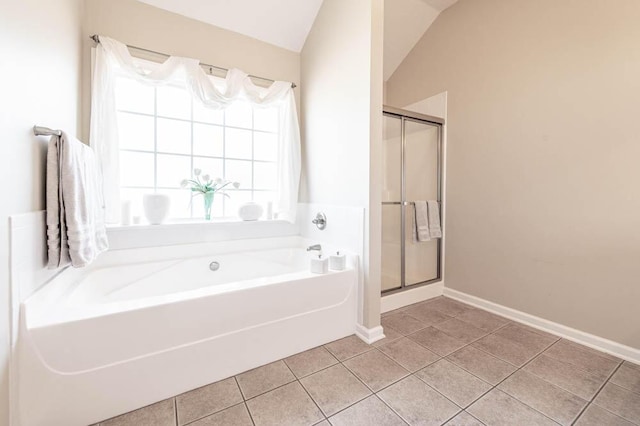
(434, 219)
(76, 232)
(422, 221)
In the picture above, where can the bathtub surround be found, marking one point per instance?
(542, 111)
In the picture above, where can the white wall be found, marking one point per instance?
(39, 84)
(341, 108)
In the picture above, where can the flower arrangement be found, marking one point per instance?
(207, 187)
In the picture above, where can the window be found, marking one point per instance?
(165, 134)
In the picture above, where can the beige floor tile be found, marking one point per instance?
(334, 389)
(402, 323)
(426, 314)
(207, 400)
(526, 337)
(238, 415)
(566, 376)
(463, 419)
(481, 364)
(395, 311)
(585, 358)
(627, 377)
(409, 354)
(368, 412)
(460, 330)
(436, 341)
(159, 414)
(389, 336)
(448, 306)
(505, 349)
(597, 416)
(323, 423)
(417, 403)
(620, 401)
(375, 369)
(453, 382)
(347, 347)
(498, 408)
(483, 320)
(550, 400)
(265, 378)
(310, 361)
(287, 405)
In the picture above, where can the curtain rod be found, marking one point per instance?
(96, 38)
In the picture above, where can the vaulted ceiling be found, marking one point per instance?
(286, 23)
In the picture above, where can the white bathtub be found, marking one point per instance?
(142, 325)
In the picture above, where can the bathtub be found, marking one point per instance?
(142, 325)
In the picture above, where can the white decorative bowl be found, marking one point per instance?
(156, 207)
(250, 211)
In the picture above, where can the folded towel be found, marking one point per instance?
(434, 219)
(76, 232)
(422, 221)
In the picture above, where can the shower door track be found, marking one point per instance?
(404, 116)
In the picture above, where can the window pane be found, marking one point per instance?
(263, 197)
(172, 169)
(238, 171)
(207, 115)
(135, 196)
(238, 143)
(208, 140)
(134, 96)
(136, 169)
(180, 202)
(235, 200)
(174, 136)
(209, 166)
(266, 119)
(265, 146)
(136, 131)
(239, 115)
(174, 102)
(265, 175)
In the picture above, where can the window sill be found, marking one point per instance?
(195, 223)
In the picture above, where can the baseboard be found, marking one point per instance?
(599, 343)
(410, 296)
(369, 335)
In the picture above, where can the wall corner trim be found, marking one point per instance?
(590, 340)
(369, 335)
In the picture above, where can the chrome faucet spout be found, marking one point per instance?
(315, 247)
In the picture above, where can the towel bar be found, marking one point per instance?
(45, 131)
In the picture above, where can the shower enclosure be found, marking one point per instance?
(412, 164)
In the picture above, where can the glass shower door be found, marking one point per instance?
(421, 170)
(411, 172)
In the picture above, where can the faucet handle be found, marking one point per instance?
(320, 221)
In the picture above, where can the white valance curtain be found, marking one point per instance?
(113, 58)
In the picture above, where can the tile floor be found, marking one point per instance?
(442, 362)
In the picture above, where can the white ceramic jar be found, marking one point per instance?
(156, 207)
(250, 211)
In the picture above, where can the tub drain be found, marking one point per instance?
(214, 266)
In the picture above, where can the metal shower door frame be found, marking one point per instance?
(405, 116)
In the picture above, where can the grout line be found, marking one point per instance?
(175, 410)
(595, 395)
(307, 392)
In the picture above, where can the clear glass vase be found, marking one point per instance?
(208, 202)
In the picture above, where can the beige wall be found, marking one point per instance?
(139, 24)
(40, 70)
(341, 106)
(543, 179)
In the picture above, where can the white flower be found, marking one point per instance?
(236, 185)
(219, 181)
(205, 178)
(197, 172)
(184, 183)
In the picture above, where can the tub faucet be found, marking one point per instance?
(315, 247)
